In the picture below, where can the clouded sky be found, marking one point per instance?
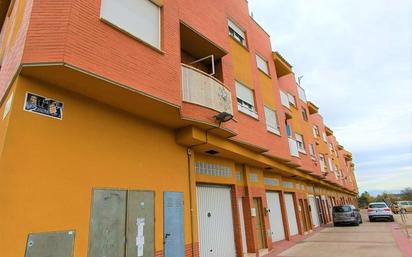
(356, 59)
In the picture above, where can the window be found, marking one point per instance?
(315, 131)
(262, 64)
(288, 130)
(292, 99)
(312, 151)
(245, 102)
(331, 148)
(236, 32)
(302, 94)
(330, 164)
(322, 163)
(304, 114)
(272, 124)
(284, 99)
(324, 137)
(139, 18)
(300, 143)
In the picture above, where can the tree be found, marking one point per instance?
(364, 199)
(406, 194)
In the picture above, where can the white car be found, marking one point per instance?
(379, 210)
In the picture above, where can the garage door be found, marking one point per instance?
(290, 210)
(314, 211)
(214, 213)
(275, 216)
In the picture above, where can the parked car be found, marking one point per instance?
(379, 210)
(402, 205)
(346, 214)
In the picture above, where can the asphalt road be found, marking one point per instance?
(376, 239)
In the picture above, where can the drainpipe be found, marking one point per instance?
(189, 156)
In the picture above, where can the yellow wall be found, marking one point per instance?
(241, 63)
(267, 90)
(49, 166)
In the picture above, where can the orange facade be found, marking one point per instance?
(141, 117)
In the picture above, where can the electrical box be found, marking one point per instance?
(253, 212)
(50, 244)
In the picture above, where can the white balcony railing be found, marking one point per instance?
(203, 89)
(293, 147)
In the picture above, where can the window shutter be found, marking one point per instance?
(262, 64)
(244, 93)
(236, 28)
(284, 99)
(139, 18)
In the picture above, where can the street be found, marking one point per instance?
(376, 239)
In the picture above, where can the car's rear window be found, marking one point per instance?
(377, 205)
(342, 209)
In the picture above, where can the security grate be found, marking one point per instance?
(210, 169)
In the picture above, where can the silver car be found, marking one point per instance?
(379, 210)
(346, 214)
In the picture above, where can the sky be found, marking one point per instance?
(356, 59)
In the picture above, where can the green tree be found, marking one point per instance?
(364, 199)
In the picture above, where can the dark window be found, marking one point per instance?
(378, 205)
(342, 209)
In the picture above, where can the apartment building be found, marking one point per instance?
(156, 128)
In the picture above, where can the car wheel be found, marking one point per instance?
(360, 220)
(370, 220)
(392, 219)
(335, 224)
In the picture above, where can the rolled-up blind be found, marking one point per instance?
(139, 18)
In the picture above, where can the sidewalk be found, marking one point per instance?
(376, 239)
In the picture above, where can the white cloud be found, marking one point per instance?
(356, 58)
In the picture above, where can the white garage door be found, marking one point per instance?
(314, 211)
(275, 216)
(290, 209)
(214, 214)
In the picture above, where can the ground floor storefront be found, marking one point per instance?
(79, 177)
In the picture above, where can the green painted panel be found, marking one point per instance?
(140, 224)
(107, 228)
(50, 244)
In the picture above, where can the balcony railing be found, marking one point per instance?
(293, 147)
(202, 89)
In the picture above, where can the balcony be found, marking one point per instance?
(203, 89)
(293, 147)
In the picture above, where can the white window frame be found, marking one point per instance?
(300, 143)
(128, 19)
(291, 99)
(322, 163)
(325, 138)
(246, 106)
(262, 64)
(237, 32)
(312, 151)
(272, 122)
(304, 113)
(284, 99)
(330, 164)
(316, 133)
